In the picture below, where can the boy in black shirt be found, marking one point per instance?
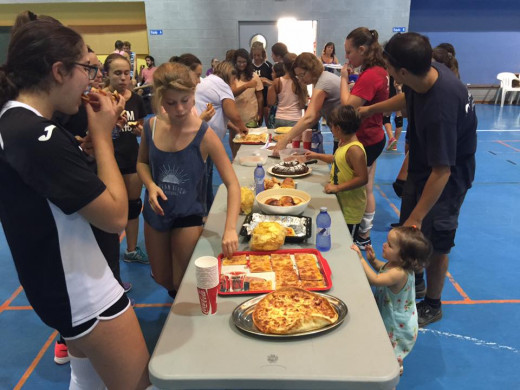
(442, 139)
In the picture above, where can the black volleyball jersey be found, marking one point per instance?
(45, 180)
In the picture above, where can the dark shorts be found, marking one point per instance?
(73, 332)
(374, 151)
(440, 224)
(165, 224)
(126, 156)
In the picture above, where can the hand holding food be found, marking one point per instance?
(208, 113)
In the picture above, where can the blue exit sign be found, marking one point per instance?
(156, 32)
(399, 29)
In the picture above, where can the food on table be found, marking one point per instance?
(284, 201)
(273, 182)
(235, 260)
(257, 284)
(289, 232)
(252, 139)
(247, 198)
(290, 168)
(260, 263)
(278, 137)
(282, 130)
(267, 236)
(293, 310)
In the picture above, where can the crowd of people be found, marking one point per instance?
(72, 203)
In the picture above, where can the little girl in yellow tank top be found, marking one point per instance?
(348, 175)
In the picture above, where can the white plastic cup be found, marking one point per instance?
(207, 276)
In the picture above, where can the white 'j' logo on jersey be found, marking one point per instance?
(49, 129)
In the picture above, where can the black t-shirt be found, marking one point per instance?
(264, 70)
(126, 143)
(442, 130)
(76, 124)
(46, 179)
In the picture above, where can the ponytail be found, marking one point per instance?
(362, 36)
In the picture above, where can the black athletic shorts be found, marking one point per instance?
(74, 332)
(374, 151)
(440, 224)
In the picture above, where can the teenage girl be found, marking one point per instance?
(126, 149)
(54, 202)
(174, 147)
(362, 49)
(405, 250)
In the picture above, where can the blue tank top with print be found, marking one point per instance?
(181, 176)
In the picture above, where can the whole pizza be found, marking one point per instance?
(291, 310)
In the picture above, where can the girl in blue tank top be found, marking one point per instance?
(174, 147)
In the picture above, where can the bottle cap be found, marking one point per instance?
(258, 164)
(323, 209)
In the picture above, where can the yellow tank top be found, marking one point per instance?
(353, 202)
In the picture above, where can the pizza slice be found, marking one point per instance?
(235, 260)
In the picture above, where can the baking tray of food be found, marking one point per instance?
(251, 272)
(299, 229)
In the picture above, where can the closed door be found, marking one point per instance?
(266, 32)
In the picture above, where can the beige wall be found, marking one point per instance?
(100, 23)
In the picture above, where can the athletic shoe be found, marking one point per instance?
(428, 314)
(420, 290)
(362, 242)
(132, 302)
(392, 143)
(127, 286)
(394, 148)
(137, 256)
(61, 353)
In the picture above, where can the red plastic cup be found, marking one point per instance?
(208, 300)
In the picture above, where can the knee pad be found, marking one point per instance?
(134, 208)
(83, 376)
(366, 222)
(386, 119)
(398, 120)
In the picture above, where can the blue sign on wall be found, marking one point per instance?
(156, 32)
(399, 29)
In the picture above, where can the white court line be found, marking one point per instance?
(471, 339)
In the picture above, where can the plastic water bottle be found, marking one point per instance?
(116, 132)
(259, 178)
(323, 242)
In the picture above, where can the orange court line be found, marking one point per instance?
(6, 304)
(480, 302)
(509, 146)
(457, 287)
(392, 205)
(36, 360)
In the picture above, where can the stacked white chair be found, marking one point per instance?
(506, 85)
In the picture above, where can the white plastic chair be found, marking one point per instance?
(506, 85)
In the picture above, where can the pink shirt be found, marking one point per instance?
(288, 103)
(147, 75)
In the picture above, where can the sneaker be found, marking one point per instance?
(137, 256)
(61, 353)
(362, 242)
(127, 286)
(428, 314)
(394, 148)
(392, 142)
(132, 302)
(420, 290)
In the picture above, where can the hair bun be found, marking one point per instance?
(374, 34)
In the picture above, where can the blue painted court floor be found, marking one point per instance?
(475, 346)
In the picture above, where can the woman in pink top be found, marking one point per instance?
(290, 95)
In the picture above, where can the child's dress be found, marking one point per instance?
(399, 315)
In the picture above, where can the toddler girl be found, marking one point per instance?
(405, 250)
